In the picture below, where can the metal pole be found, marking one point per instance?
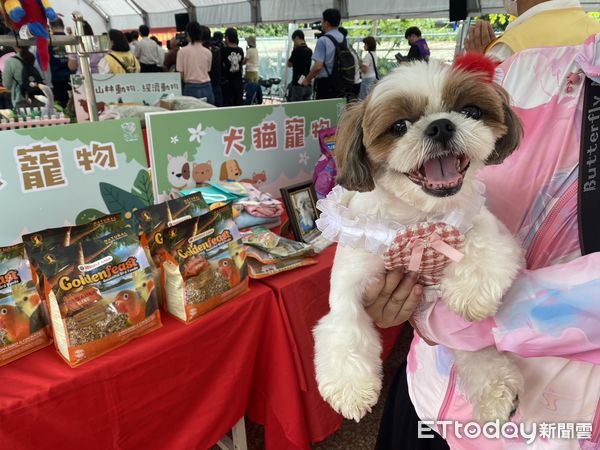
(86, 73)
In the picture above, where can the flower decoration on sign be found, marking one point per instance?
(175, 139)
(196, 133)
(2, 182)
(303, 158)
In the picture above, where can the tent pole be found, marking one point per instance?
(98, 10)
(86, 73)
(191, 9)
(141, 11)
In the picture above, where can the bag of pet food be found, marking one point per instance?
(100, 295)
(154, 220)
(23, 317)
(258, 270)
(42, 243)
(326, 169)
(206, 264)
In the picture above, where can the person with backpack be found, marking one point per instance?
(368, 67)
(119, 59)
(59, 72)
(17, 69)
(334, 67)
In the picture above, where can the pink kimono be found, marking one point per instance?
(550, 318)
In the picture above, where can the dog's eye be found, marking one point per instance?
(400, 128)
(472, 112)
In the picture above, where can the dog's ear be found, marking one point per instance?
(514, 132)
(354, 168)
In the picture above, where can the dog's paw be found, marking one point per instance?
(470, 298)
(499, 401)
(352, 397)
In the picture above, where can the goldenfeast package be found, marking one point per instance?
(23, 318)
(154, 220)
(100, 294)
(206, 264)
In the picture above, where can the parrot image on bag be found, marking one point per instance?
(30, 18)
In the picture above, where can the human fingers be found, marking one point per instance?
(381, 290)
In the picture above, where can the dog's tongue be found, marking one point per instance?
(442, 170)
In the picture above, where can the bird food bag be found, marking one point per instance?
(100, 294)
(205, 265)
(42, 243)
(23, 317)
(154, 220)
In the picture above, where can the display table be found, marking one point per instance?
(181, 387)
(303, 297)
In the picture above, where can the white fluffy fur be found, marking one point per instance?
(347, 345)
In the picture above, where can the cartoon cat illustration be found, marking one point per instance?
(203, 172)
(258, 179)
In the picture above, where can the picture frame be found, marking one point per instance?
(300, 202)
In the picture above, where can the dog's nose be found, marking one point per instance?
(441, 130)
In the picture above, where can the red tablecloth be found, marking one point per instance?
(181, 387)
(303, 297)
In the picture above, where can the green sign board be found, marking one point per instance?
(272, 146)
(70, 174)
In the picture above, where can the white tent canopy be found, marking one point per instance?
(127, 14)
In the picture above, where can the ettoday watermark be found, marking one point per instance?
(528, 432)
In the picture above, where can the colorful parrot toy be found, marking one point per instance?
(31, 17)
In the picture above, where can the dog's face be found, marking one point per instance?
(423, 132)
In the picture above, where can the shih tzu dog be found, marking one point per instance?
(409, 154)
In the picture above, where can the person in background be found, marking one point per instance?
(133, 41)
(218, 39)
(353, 94)
(252, 61)
(194, 62)
(232, 59)
(60, 69)
(324, 57)
(171, 56)
(155, 39)
(95, 58)
(216, 68)
(419, 50)
(119, 59)
(540, 23)
(12, 75)
(299, 61)
(368, 67)
(148, 53)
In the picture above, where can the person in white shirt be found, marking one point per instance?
(252, 61)
(368, 67)
(149, 54)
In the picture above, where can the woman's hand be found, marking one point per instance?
(480, 36)
(392, 300)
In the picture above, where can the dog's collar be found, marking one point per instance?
(374, 233)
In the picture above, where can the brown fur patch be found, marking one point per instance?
(379, 119)
(463, 89)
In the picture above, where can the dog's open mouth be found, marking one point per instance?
(443, 176)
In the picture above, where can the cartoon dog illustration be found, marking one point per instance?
(258, 179)
(230, 171)
(203, 172)
(179, 173)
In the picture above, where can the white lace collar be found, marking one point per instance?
(338, 224)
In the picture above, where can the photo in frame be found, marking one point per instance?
(301, 205)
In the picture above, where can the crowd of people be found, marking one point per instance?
(212, 64)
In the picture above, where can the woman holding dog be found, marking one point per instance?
(550, 319)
